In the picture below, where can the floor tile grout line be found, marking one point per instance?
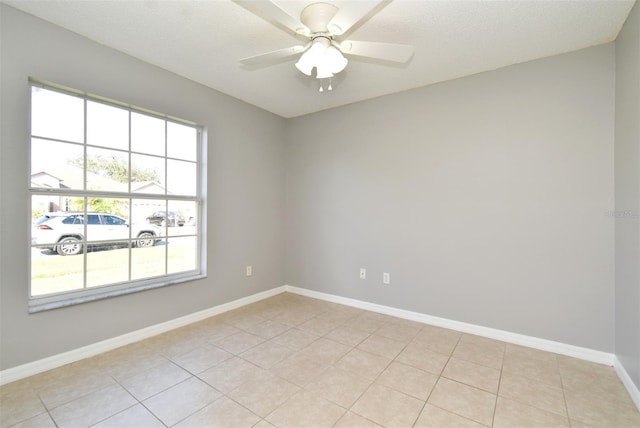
(460, 416)
(438, 379)
(382, 371)
(140, 402)
(352, 347)
(244, 407)
(199, 409)
(153, 414)
(546, 385)
(75, 398)
(117, 413)
(564, 395)
(495, 404)
(45, 408)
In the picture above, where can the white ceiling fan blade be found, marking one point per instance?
(351, 13)
(272, 12)
(271, 57)
(385, 51)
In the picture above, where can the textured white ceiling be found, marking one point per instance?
(203, 41)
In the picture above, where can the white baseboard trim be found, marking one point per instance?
(633, 390)
(39, 366)
(505, 336)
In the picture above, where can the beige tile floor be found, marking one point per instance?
(292, 361)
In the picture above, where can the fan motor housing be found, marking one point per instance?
(317, 16)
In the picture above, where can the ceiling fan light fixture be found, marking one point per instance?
(311, 58)
(304, 66)
(323, 72)
(325, 58)
(337, 62)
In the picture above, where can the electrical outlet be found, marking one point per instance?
(363, 273)
(386, 278)
(249, 270)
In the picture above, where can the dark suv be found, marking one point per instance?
(166, 218)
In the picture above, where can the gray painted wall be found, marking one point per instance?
(485, 198)
(246, 189)
(627, 177)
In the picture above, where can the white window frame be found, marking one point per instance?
(72, 297)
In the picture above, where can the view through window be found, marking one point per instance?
(115, 197)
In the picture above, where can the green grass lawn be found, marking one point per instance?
(52, 273)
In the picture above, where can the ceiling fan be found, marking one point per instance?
(325, 27)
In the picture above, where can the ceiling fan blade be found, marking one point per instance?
(273, 13)
(384, 51)
(352, 13)
(272, 57)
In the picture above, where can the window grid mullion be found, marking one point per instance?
(85, 241)
(130, 252)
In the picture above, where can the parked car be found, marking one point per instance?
(48, 216)
(166, 218)
(65, 232)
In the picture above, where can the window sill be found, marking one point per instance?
(35, 306)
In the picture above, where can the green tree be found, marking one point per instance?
(115, 168)
(102, 205)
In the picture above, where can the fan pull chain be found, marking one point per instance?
(329, 88)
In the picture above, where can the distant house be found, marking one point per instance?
(70, 177)
(148, 187)
(44, 179)
(49, 203)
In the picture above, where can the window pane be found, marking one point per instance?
(182, 254)
(107, 265)
(181, 141)
(45, 207)
(179, 214)
(107, 220)
(148, 261)
(56, 165)
(147, 134)
(188, 210)
(57, 115)
(54, 228)
(107, 170)
(51, 273)
(107, 126)
(142, 210)
(181, 178)
(147, 174)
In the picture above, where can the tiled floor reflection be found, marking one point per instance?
(292, 361)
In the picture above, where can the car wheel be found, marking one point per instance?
(163, 223)
(69, 246)
(145, 239)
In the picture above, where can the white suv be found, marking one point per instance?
(66, 233)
